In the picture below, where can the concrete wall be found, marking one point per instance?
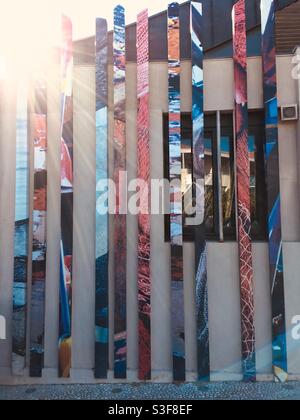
(223, 274)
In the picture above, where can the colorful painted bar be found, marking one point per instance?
(65, 334)
(102, 310)
(243, 191)
(144, 218)
(199, 181)
(176, 210)
(39, 245)
(280, 365)
(21, 237)
(120, 253)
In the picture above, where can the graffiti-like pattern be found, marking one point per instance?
(102, 331)
(37, 332)
(243, 191)
(21, 237)
(176, 193)
(144, 218)
(273, 187)
(120, 252)
(65, 338)
(199, 180)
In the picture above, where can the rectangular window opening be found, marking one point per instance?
(220, 191)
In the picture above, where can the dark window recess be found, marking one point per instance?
(259, 210)
(224, 175)
(228, 177)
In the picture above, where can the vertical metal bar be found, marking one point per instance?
(21, 238)
(235, 174)
(102, 220)
(199, 181)
(120, 219)
(242, 166)
(280, 362)
(178, 335)
(144, 218)
(67, 160)
(39, 238)
(219, 170)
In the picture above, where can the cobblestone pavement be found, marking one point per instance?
(219, 391)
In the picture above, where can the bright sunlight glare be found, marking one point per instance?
(27, 30)
(29, 27)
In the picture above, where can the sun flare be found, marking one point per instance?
(27, 31)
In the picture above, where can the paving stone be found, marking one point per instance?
(213, 391)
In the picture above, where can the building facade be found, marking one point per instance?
(223, 259)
